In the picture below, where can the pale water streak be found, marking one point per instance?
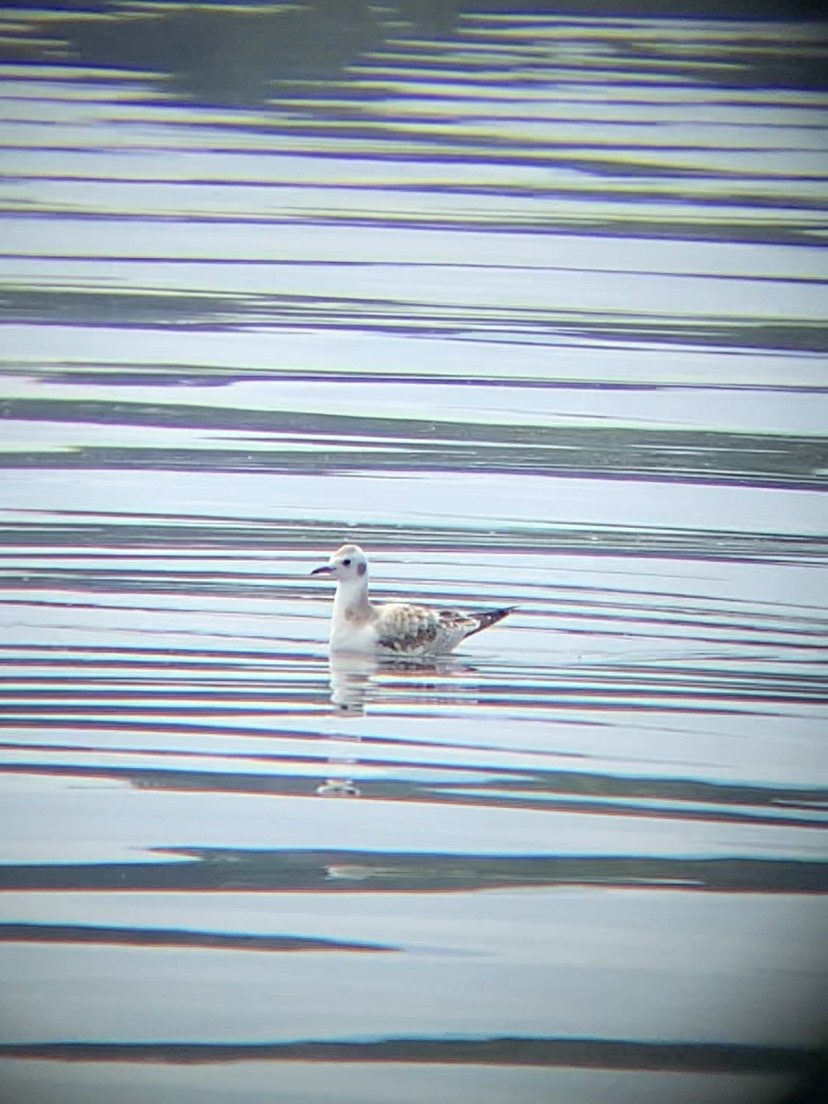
(530, 304)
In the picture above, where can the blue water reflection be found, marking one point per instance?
(530, 302)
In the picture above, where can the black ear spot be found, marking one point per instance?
(362, 568)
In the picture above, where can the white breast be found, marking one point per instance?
(346, 637)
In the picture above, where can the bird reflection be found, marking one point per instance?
(350, 678)
(338, 787)
(356, 678)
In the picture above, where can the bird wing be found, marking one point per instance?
(481, 619)
(406, 628)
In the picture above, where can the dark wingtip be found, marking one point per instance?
(504, 611)
(491, 617)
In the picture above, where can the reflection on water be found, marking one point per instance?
(350, 676)
(358, 678)
(530, 302)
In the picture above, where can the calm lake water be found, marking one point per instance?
(531, 303)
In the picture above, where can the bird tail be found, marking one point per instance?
(484, 618)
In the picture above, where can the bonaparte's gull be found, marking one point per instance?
(396, 628)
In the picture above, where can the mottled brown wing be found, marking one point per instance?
(403, 627)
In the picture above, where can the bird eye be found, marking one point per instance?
(346, 563)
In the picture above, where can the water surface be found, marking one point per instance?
(531, 305)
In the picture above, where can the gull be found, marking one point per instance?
(396, 628)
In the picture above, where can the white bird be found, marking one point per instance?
(396, 628)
